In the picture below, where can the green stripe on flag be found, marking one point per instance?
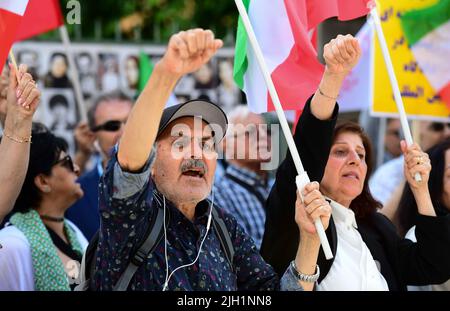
(418, 23)
(240, 54)
(145, 70)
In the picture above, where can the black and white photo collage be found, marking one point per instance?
(108, 67)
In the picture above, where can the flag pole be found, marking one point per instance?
(73, 72)
(302, 177)
(14, 63)
(393, 80)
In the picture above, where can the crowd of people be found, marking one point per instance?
(162, 212)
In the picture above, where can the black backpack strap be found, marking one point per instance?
(91, 255)
(88, 265)
(224, 237)
(139, 257)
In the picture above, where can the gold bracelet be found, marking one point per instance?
(321, 93)
(20, 140)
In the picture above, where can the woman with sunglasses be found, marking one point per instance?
(41, 250)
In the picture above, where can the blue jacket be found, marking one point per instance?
(84, 213)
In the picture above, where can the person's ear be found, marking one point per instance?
(41, 182)
(152, 172)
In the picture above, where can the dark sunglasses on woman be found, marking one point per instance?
(66, 162)
(109, 126)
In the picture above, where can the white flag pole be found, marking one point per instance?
(393, 80)
(14, 63)
(75, 77)
(302, 178)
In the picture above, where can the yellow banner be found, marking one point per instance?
(419, 98)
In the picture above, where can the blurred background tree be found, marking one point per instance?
(153, 21)
(150, 20)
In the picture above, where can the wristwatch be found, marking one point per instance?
(309, 278)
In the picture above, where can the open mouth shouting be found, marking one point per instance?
(194, 172)
(352, 175)
(194, 169)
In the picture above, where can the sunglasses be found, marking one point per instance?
(438, 127)
(395, 133)
(109, 126)
(254, 131)
(66, 162)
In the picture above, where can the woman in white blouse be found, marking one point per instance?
(361, 255)
(368, 252)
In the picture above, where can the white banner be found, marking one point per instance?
(357, 89)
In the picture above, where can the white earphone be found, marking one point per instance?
(208, 225)
(99, 149)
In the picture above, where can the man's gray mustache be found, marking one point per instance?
(190, 164)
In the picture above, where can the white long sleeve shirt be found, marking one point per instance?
(354, 268)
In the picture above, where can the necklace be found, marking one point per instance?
(52, 218)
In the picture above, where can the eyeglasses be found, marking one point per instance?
(438, 127)
(66, 162)
(205, 145)
(253, 130)
(109, 126)
(396, 133)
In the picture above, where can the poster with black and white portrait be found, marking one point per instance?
(58, 112)
(86, 64)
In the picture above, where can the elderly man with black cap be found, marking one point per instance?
(163, 175)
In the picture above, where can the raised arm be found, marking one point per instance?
(15, 145)
(187, 51)
(312, 137)
(341, 55)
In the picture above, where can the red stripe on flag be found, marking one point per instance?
(9, 22)
(299, 75)
(40, 16)
(445, 95)
(320, 10)
(314, 38)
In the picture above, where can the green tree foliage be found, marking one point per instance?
(160, 18)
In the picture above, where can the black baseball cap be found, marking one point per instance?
(207, 111)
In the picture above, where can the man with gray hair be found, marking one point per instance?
(174, 190)
(243, 189)
(104, 128)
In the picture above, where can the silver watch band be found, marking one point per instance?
(309, 278)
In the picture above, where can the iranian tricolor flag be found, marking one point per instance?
(41, 16)
(284, 29)
(11, 13)
(428, 34)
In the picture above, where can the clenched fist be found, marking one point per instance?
(341, 54)
(189, 50)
